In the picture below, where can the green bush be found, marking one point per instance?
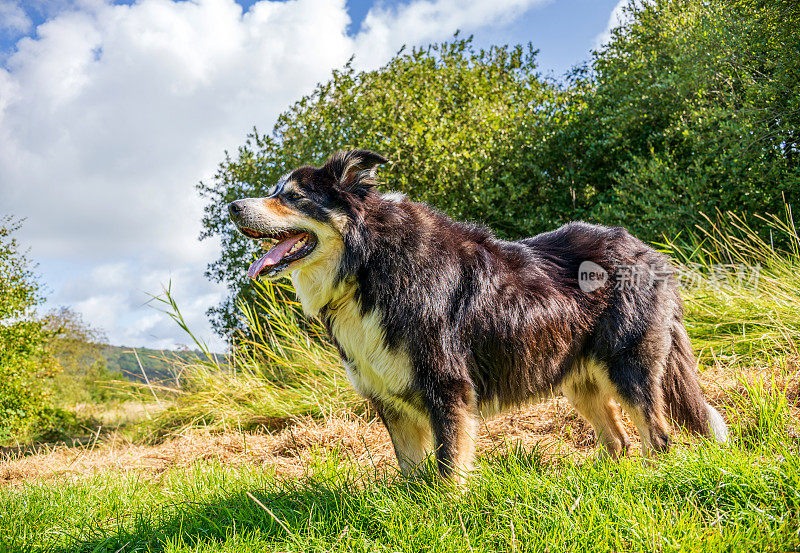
(693, 105)
(25, 405)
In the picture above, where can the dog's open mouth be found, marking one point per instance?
(284, 248)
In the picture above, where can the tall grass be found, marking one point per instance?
(742, 298)
(281, 366)
(742, 293)
(742, 313)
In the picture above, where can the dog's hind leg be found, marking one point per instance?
(594, 402)
(636, 377)
(410, 432)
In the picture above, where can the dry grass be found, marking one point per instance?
(360, 439)
(553, 426)
(120, 413)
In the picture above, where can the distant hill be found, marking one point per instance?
(158, 364)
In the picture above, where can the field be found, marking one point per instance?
(277, 453)
(678, 120)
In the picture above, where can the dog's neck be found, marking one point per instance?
(317, 284)
(328, 282)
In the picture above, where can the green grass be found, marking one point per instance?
(699, 497)
(695, 499)
(744, 297)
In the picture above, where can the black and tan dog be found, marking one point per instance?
(439, 323)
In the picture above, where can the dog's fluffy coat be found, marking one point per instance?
(440, 322)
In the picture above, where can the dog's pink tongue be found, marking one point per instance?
(273, 256)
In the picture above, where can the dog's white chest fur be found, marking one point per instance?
(374, 369)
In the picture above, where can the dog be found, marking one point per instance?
(439, 323)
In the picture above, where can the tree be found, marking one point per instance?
(693, 105)
(77, 348)
(24, 364)
(458, 125)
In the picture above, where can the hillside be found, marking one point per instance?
(157, 364)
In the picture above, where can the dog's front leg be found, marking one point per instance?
(452, 407)
(410, 433)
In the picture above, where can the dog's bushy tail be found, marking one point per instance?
(684, 399)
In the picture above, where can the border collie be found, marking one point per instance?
(439, 323)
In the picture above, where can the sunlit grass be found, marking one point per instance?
(282, 366)
(742, 292)
(700, 498)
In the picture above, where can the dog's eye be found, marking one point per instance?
(293, 196)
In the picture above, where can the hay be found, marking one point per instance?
(552, 426)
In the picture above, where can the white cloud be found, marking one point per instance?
(620, 15)
(118, 297)
(112, 113)
(13, 18)
(385, 29)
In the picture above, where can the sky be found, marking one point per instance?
(112, 112)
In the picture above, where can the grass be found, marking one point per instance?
(283, 368)
(743, 298)
(699, 497)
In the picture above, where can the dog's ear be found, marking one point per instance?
(354, 170)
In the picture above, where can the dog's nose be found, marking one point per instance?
(236, 208)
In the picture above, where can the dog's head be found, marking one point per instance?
(305, 214)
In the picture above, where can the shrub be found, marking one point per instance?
(25, 368)
(693, 105)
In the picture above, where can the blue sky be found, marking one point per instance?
(110, 113)
(563, 30)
